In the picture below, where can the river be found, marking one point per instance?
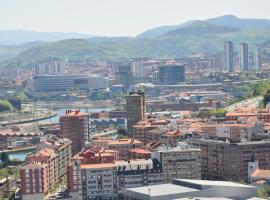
(60, 112)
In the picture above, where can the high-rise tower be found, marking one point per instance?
(135, 103)
(243, 57)
(228, 56)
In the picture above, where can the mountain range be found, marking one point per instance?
(18, 37)
(166, 41)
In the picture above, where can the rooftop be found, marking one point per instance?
(74, 113)
(139, 151)
(124, 141)
(162, 189)
(43, 152)
(32, 166)
(213, 183)
(97, 166)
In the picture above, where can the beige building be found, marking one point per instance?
(179, 162)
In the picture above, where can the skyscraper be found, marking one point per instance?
(135, 103)
(257, 57)
(228, 56)
(243, 57)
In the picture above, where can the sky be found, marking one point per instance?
(119, 17)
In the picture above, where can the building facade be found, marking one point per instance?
(223, 160)
(135, 105)
(257, 58)
(50, 68)
(45, 167)
(180, 161)
(138, 70)
(74, 125)
(171, 74)
(61, 83)
(243, 57)
(228, 57)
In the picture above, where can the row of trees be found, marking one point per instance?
(219, 112)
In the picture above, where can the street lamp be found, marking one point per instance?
(149, 192)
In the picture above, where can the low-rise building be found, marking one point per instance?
(197, 189)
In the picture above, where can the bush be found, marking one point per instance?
(5, 106)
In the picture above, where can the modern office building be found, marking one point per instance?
(123, 74)
(228, 57)
(180, 161)
(138, 70)
(222, 160)
(135, 105)
(50, 68)
(171, 74)
(61, 83)
(257, 58)
(243, 57)
(74, 125)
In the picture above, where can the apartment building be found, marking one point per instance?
(149, 131)
(34, 181)
(235, 132)
(137, 173)
(180, 161)
(48, 166)
(74, 125)
(222, 160)
(123, 146)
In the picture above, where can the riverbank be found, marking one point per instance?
(22, 120)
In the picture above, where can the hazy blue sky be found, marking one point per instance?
(118, 17)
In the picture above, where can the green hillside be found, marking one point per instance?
(169, 45)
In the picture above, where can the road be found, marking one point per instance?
(253, 102)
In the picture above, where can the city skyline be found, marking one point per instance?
(117, 18)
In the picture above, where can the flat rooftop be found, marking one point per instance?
(212, 183)
(162, 189)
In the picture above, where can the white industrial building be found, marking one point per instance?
(189, 188)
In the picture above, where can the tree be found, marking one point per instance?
(263, 192)
(5, 106)
(4, 157)
(243, 77)
(219, 112)
(204, 114)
